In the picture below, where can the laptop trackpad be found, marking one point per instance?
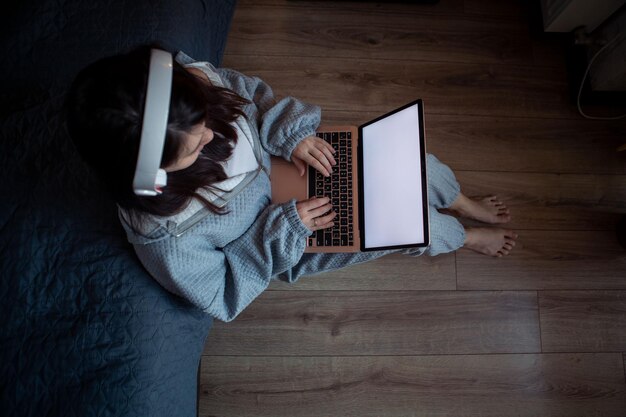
(287, 182)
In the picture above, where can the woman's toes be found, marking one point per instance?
(484, 209)
(492, 242)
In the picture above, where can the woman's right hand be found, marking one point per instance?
(316, 213)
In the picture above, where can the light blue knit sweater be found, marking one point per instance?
(221, 263)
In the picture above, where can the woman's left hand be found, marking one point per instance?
(315, 152)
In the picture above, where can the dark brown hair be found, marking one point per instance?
(104, 116)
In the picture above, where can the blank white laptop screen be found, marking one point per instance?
(392, 180)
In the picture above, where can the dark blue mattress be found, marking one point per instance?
(85, 329)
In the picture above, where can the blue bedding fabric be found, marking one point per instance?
(85, 330)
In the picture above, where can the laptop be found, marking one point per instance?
(378, 187)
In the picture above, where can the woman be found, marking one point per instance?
(213, 236)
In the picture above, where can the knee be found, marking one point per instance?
(447, 234)
(443, 187)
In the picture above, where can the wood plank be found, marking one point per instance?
(392, 272)
(548, 260)
(445, 7)
(549, 49)
(448, 88)
(381, 323)
(475, 143)
(377, 33)
(583, 321)
(573, 385)
(527, 145)
(512, 9)
(552, 201)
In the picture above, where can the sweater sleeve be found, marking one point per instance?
(283, 123)
(224, 281)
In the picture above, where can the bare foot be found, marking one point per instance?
(490, 241)
(487, 209)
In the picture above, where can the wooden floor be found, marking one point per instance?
(539, 333)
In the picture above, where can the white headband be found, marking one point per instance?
(149, 178)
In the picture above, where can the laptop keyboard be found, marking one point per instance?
(337, 187)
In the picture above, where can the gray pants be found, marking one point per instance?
(446, 233)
